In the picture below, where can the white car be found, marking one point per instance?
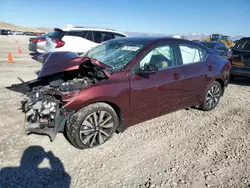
(78, 39)
(17, 33)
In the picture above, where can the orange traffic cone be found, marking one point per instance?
(19, 50)
(17, 41)
(10, 60)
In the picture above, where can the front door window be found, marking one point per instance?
(162, 57)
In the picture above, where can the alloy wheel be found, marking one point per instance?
(96, 128)
(213, 96)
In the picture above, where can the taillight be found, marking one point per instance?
(38, 40)
(229, 54)
(59, 43)
(229, 65)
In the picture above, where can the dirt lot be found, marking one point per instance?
(188, 148)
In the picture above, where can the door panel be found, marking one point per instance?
(195, 71)
(194, 84)
(157, 93)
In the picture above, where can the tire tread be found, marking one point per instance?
(75, 120)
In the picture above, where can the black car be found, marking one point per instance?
(30, 33)
(240, 58)
(219, 47)
(5, 32)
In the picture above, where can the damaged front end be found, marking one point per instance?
(46, 97)
(44, 115)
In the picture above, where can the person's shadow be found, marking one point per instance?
(28, 174)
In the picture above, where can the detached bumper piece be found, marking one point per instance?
(44, 117)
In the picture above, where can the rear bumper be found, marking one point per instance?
(240, 71)
(32, 47)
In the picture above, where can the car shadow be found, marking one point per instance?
(34, 56)
(242, 81)
(28, 174)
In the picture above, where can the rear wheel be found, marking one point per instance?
(212, 96)
(92, 126)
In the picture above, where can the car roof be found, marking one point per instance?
(152, 39)
(245, 38)
(91, 29)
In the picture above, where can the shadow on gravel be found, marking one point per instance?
(242, 81)
(28, 174)
(34, 56)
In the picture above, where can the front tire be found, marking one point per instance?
(212, 96)
(92, 126)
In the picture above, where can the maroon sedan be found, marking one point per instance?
(118, 84)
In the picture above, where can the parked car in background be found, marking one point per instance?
(120, 83)
(219, 47)
(42, 33)
(79, 39)
(240, 58)
(6, 32)
(17, 33)
(37, 44)
(30, 33)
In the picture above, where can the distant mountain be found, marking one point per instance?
(190, 36)
(196, 36)
(45, 29)
(136, 34)
(237, 37)
(4, 25)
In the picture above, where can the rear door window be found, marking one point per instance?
(82, 34)
(89, 36)
(191, 54)
(100, 36)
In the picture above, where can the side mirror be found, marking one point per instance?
(147, 69)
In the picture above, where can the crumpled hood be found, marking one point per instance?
(59, 62)
(64, 61)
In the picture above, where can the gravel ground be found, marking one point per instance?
(188, 148)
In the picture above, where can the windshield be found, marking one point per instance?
(225, 37)
(115, 53)
(243, 44)
(216, 37)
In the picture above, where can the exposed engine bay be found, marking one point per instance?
(45, 97)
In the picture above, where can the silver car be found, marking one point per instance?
(37, 44)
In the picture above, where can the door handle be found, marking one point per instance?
(176, 76)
